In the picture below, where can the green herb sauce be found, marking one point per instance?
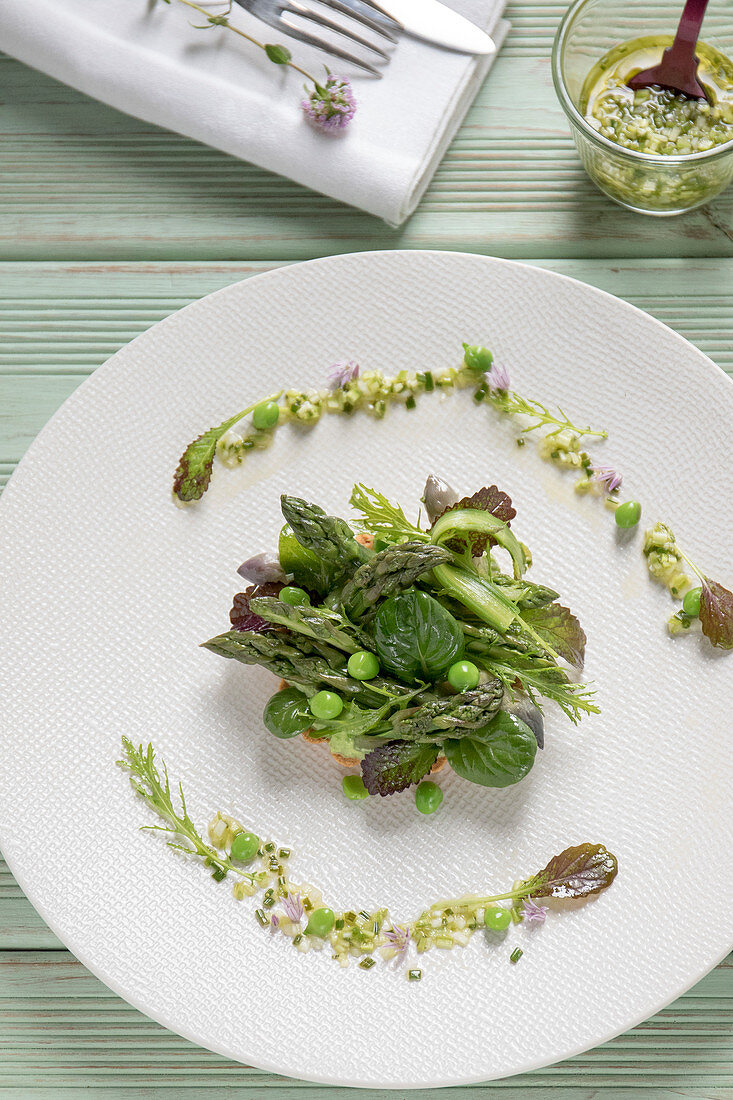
(656, 120)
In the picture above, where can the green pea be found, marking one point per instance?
(296, 597)
(628, 514)
(353, 787)
(691, 602)
(497, 918)
(363, 665)
(428, 797)
(245, 847)
(326, 704)
(477, 358)
(463, 675)
(320, 923)
(265, 416)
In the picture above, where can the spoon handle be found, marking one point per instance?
(688, 30)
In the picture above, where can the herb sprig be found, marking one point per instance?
(156, 792)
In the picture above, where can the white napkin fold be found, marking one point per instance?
(211, 85)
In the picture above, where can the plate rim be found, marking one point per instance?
(98, 971)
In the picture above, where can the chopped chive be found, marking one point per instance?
(283, 853)
(297, 939)
(281, 880)
(516, 955)
(480, 394)
(275, 865)
(521, 441)
(429, 381)
(307, 904)
(218, 874)
(269, 847)
(364, 915)
(338, 924)
(350, 916)
(367, 964)
(262, 917)
(414, 975)
(411, 402)
(267, 903)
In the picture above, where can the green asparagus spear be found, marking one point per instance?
(391, 570)
(329, 537)
(325, 626)
(309, 664)
(452, 716)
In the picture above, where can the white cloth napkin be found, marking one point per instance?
(211, 85)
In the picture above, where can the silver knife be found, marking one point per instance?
(431, 21)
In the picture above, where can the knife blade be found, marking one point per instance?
(434, 22)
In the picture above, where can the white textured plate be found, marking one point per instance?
(106, 588)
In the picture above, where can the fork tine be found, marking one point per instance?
(352, 9)
(327, 47)
(312, 16)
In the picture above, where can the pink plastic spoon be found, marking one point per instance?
(678, 68)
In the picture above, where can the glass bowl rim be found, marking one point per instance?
(658, 160)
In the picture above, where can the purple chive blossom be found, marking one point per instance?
(293, 907)
(331, 106)
(274, 922)
(607, 477)
(531, 911)
(498, 377)
(343, 372)
(398, 936)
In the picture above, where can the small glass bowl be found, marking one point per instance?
(661, 185)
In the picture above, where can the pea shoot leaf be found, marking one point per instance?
(558, 626)
(575, 873)
(489, 499)
(397, 765)
(716, 614)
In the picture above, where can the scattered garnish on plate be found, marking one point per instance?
(296, 910)
(708, 603)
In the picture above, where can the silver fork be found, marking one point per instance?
(285, 15)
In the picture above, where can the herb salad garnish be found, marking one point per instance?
(410, 646)
(296, 910)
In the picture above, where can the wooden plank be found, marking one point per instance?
(60, 1026)
(511, 184)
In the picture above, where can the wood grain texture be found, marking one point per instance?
(511, 183)
(61, 1026)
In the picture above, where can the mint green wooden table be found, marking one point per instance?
(107, 225)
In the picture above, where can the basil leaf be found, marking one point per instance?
(415, 637)
(498, 755)
(287, 713)
(396, 766)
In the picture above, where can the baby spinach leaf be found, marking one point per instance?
(716, 614)
(576, 872)
(416, 637)
(397, 765)
(287, 713)
(498, 755)
(558, 626)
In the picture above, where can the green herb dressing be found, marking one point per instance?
(656, 120)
